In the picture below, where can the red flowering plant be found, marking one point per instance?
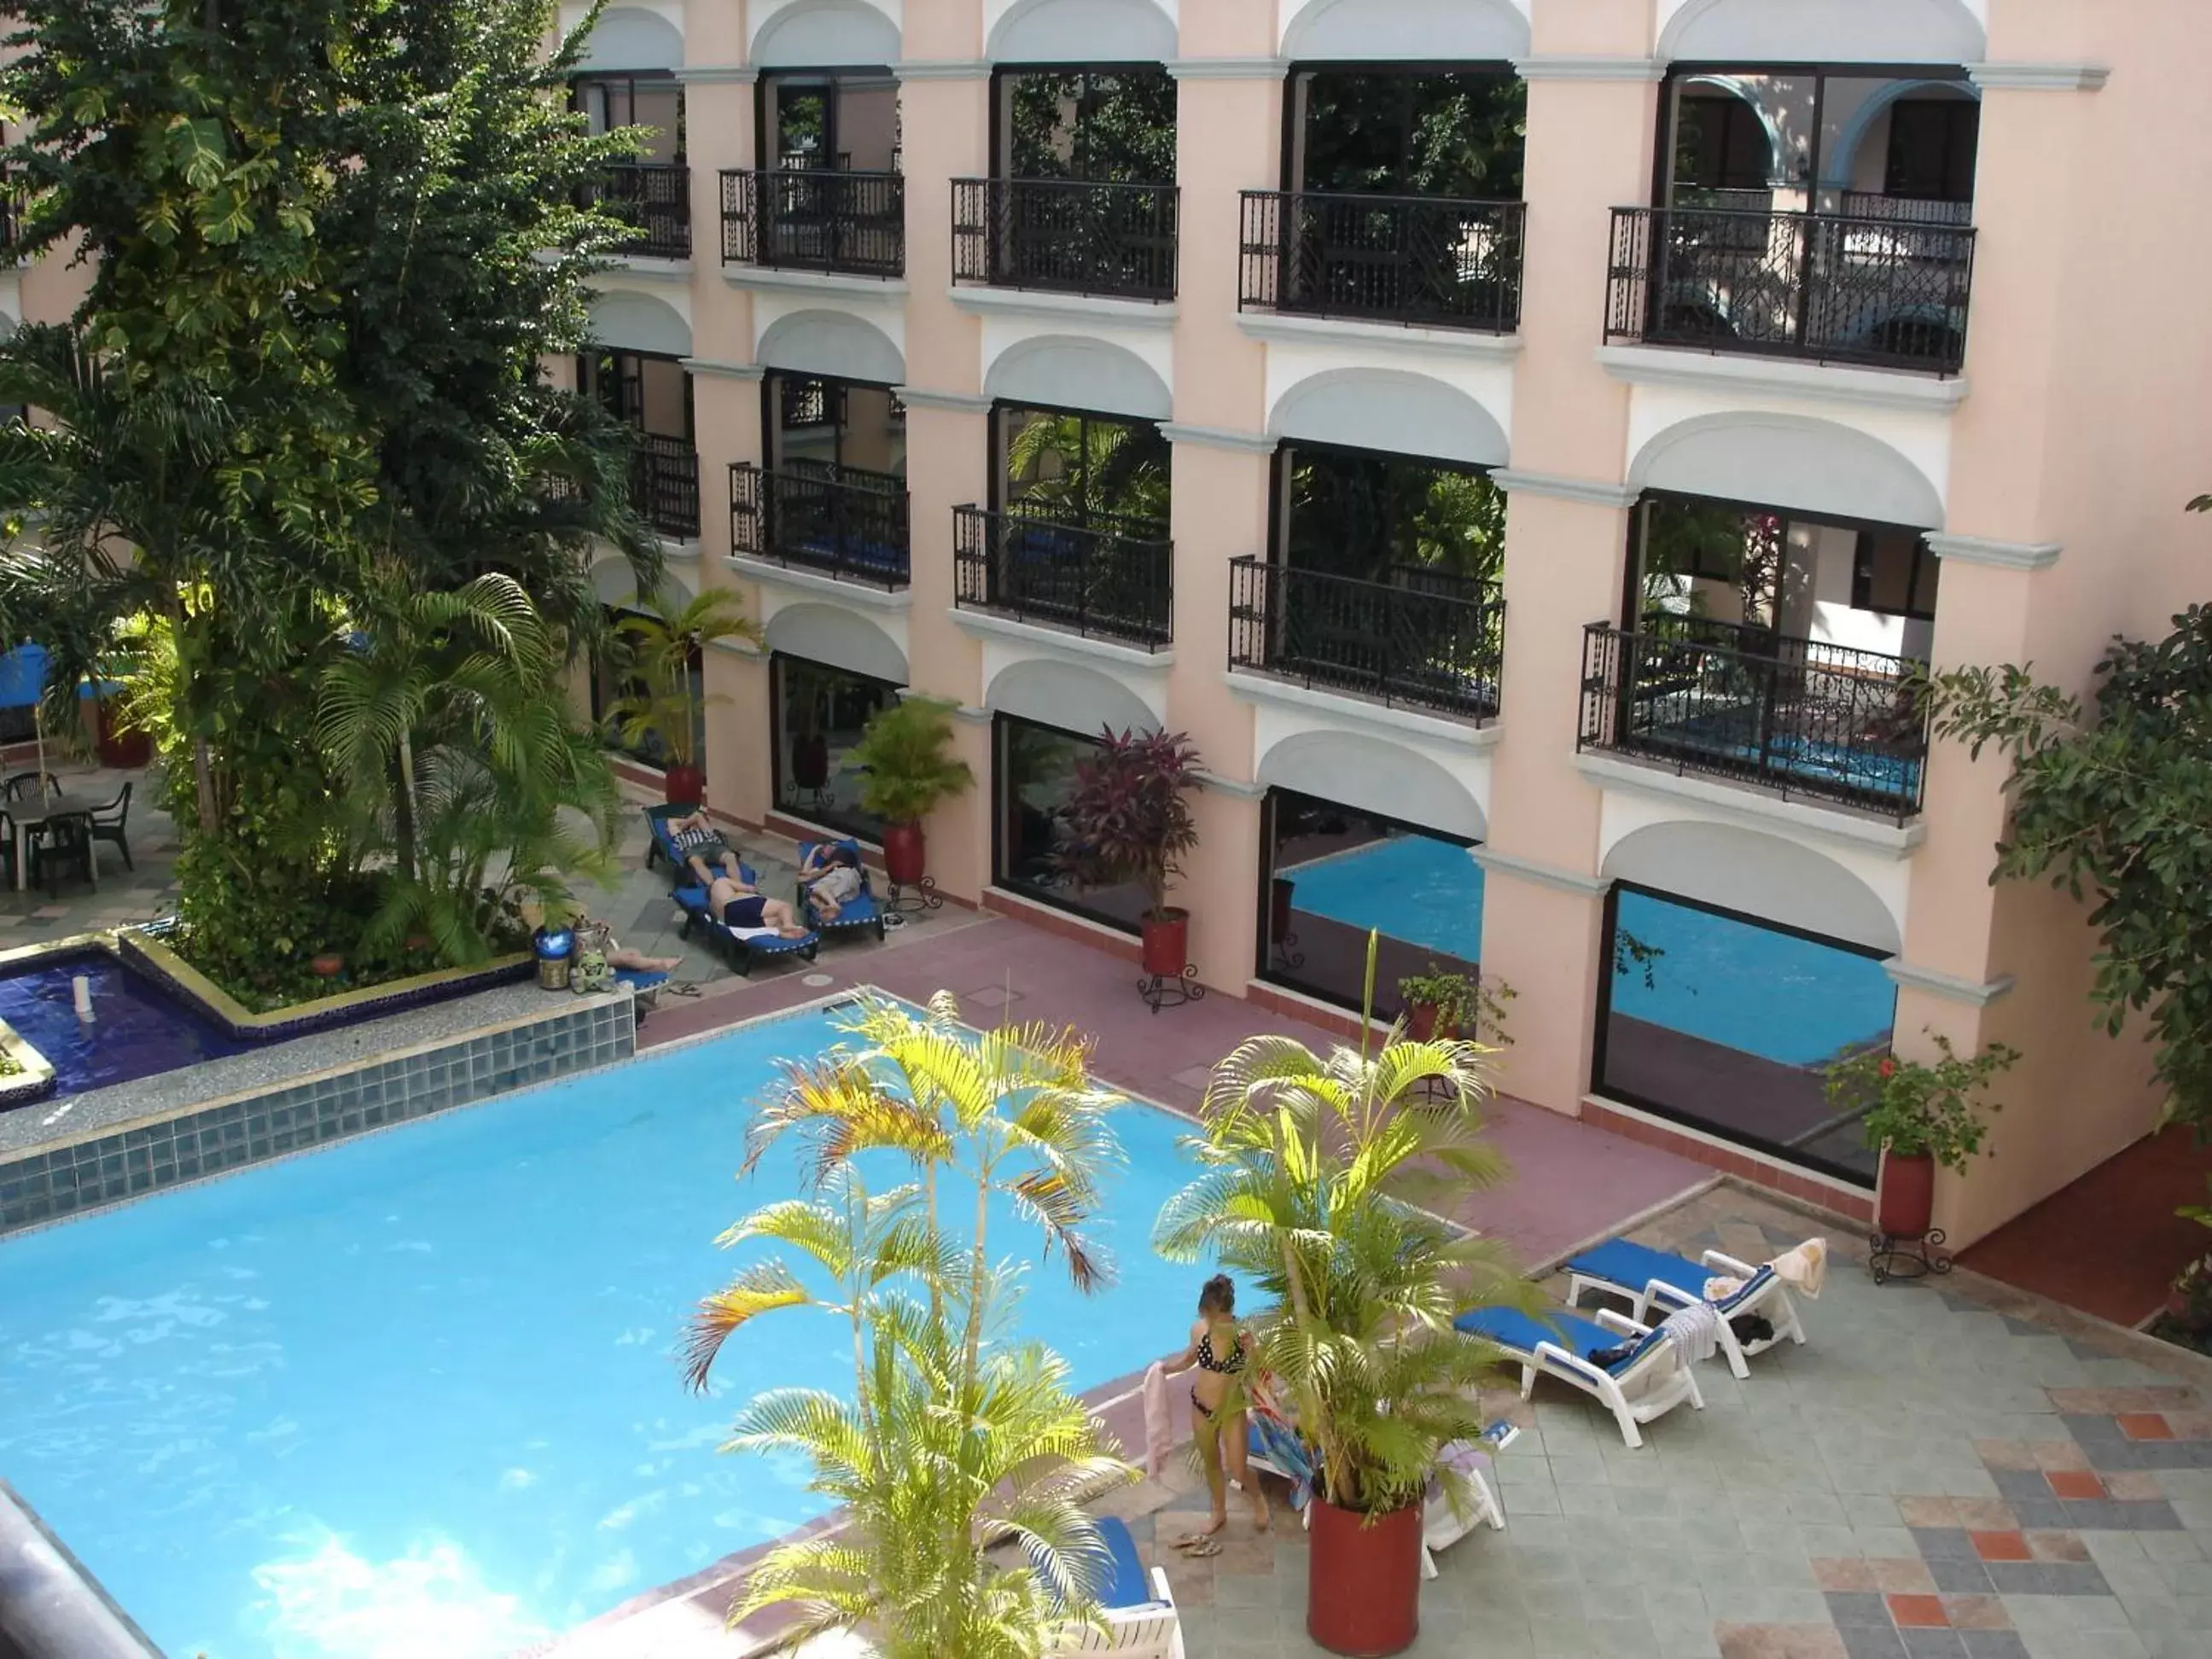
(1128, 817)
(1917, 1110)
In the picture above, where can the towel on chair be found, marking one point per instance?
(1695, 1329)
(1159, 1423)
(1805, 1269)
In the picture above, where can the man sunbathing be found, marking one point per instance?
(738, 904)
(831, 876)
(696, 833)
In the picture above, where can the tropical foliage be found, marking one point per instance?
(1317, 1171)
(1918, 1110)
(659, 649)
(1359, 515)
(907, 768)
(1128, 816)
(955, 1436)
(1087, 468)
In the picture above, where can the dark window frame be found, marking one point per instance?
(1001, 496)
(830, 77)
(1292, 107)
(632, 79)
(1000, 722)
(1792, 1156)
(1924, 564)
(1282, 461)
(1001, 156)
(777, 759)
(588, 385)
(772, 384)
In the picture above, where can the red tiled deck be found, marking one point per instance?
(1571, 1182)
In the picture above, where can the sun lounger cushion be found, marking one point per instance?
(1632, 1266)
(1129, 1585)
(760, 941)
(1520, 1332)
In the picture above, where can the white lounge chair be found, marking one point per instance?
(1276, 1453)
(1140, 1609)
(1655, 1282)
(1649, 1382)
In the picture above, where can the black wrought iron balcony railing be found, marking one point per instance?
(842, 520)
(815, 219)
(1107, 577)
(664, 485)
(1390, 259)
(1071, 234)
(1889, 292)
(1819, 721)
(1423, 638)
(654, 199)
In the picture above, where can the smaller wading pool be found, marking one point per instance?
(137, 1028)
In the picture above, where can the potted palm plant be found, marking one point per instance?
(1916, 1116)
(1325, 1177)
(906, 774)
(661, 650)
(1129, 819)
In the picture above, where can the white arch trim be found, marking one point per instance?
(1083, 32)
(623, 319)
(1819, 467)
(825, 34)
(1054, 369)
(1845, 151)
(842, 638)
(1759, 874)
(1825, 32)
(834, 343)
(631, 37)
(1392, 409)
(1419, 31)
(1068, 695)
(1375, 776)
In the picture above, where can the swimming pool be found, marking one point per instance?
(415, 1396)
(1410, 887)
(138, 1028)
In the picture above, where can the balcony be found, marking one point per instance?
(843, 521)
(1820, 721)
(849, 224)
(1067, 235)
(664, 485)
(654, 200)
(1425, 261)
(1887, 289)
(1108, 578)
(1419, 639)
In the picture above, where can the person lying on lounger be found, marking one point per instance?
(695, 834)
(619, 955)
(741, 905)
(831, 875)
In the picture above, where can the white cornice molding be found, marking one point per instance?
(1754, 804)
(819, 584)
(823, 283)
(979, 300)
(958, 402)
(1237, 786)
(1228, 69)
(718, 75)
(1589, 491)
(942, 69)
(1359, 715)
(744, 649)
(1056, 642)
(1578, 66)
(1219, 437)
(1950, 987)
(2005, 555)
(2040, 78)
(1829, 383)
(1491, 861)
(1426, 343)
(640, 268)
(723, 369)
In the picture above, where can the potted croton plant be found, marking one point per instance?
(1441, 1004)
(907, 771)
(1129, 819)
(1918, 1116)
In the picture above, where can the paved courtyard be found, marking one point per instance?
(1941, 1471)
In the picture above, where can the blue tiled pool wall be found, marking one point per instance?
(114, 1168)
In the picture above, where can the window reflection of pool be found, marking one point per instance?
(1408, 887)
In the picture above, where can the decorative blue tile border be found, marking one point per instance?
(129, 1163)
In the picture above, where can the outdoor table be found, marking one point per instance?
(48, 809)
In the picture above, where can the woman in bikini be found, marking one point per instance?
(1217, 1408)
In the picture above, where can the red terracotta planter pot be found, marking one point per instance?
(1422, 1025)
(124, 751)
(1363, 1591)
(1907, 1200)
(1167, 943)
(684, 786)
(906, 854)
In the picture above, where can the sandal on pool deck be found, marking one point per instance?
(1197, 1547)
(681, 988)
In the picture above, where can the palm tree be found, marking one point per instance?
(948, 1445)
(660, 647)
(1318, 1171)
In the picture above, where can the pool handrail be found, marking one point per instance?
(49, 1607)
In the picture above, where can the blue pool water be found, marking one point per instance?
(138, 1028)
(1786, 999)
(416, 1396)
(1410, 887)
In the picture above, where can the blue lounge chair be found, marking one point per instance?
(1648, 1382)
(1140, 1619)
(663, 848)
(1652, 1280)
(860, 912)
(644, 988)
(743, 947)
